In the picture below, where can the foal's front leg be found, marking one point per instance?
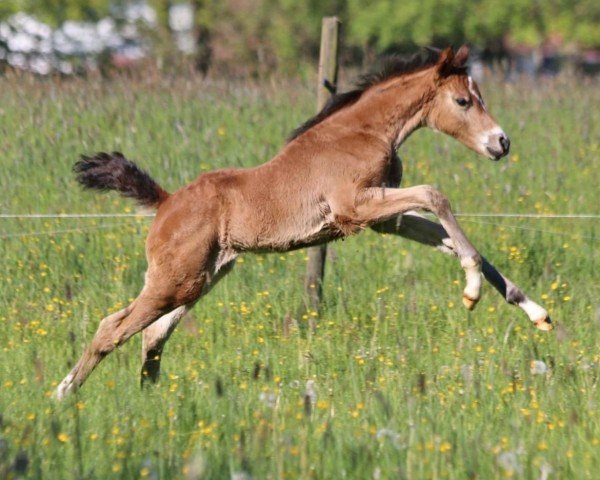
(415, 227)
(375, 205)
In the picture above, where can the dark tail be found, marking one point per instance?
(112, 171)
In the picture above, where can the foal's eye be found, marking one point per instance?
(462, 102)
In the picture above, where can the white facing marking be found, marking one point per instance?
(484, 138)
(473, 92)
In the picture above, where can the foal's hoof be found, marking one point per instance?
(544, 324)
(469, 302)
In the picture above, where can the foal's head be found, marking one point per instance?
(458, 109)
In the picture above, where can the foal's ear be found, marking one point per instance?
(461, 57)
(444, 62)
(449, 61)
(446, 57)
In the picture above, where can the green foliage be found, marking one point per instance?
(8, 7)
(387, 22)
(408, 384)
(55, 12)
(162, 11)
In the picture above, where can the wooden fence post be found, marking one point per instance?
(327, 83)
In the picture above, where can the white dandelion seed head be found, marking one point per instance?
(268, 398)
(466, 372)
(538, 367)
(545, 470)
(509, 462)
(310, 391)
(241, 476)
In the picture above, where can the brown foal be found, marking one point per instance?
(336, 176)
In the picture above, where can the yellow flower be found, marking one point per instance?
(63, 437)
(445, 447)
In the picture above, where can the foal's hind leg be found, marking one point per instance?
(156, 335)
(112, 332)
(154, 338)
(415, 227)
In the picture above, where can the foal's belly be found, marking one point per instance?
(286, 236)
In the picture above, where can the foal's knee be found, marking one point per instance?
(437, 202)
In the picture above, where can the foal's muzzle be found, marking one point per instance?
(498, 146)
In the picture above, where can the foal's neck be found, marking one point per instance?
(399, 106)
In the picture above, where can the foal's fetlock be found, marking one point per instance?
(472, 291)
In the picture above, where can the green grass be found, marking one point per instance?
(408, 384)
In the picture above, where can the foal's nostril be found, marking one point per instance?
(504, 143)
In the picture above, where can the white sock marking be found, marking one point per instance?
(533, 310)
(64, 387)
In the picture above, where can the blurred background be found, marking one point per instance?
(255, 38)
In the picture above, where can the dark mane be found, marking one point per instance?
(391, 66)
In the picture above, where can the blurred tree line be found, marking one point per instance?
(282, 33)
(55, 12)
(480, 22)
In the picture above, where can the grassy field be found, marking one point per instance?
(397, 381)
